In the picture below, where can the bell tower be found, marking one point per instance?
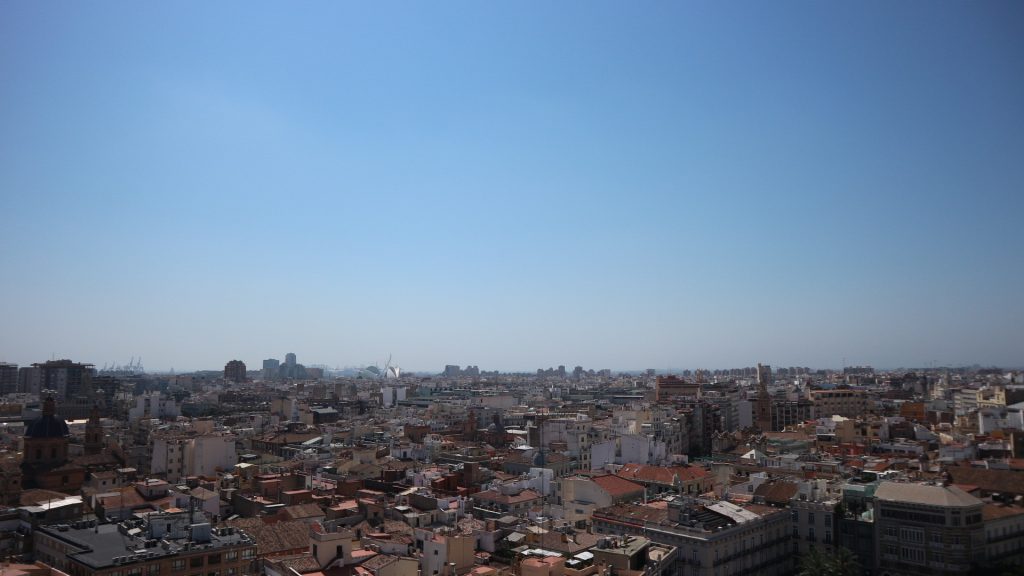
(94, 433)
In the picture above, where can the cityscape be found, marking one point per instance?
(573, 288)
(286, 469)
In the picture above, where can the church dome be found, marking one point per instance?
(49, 425)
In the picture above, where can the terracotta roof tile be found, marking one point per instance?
(617, 486)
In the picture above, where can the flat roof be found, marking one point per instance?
(99, 544)
(932, 495)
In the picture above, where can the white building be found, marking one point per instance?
(178, 456)
(153, 405)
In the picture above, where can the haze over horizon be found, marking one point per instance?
(519, 186)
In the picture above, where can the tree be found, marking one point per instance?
(841, 562)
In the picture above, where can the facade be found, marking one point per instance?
(1004, 534)
(271, 368)
(177, 456)
(813, 512)
(68, 379)
(581, 495)
(786, 413)
(763, 405)
(927, 530)
(235, 371)
(841, 401)
(711, 537)
(8, 378)
(153, 405)
(670, 387)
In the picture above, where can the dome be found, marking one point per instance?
(49, 425)
(538, 459)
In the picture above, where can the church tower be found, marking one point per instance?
(44, 462)
(94, 433)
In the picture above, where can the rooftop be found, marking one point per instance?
(932, 495)
(105, 545)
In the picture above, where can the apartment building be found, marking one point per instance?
(165, 544)
(712, 537)
(927, 530)
(839, 402)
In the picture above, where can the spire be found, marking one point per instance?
(49, 406)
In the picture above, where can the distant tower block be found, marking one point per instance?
(764, 401)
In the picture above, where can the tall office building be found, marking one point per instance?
(289, 360)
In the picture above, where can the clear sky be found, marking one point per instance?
(514, 185)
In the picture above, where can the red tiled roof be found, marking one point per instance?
(495, 496)
(616, 486)
(297, 511)
(661, 474)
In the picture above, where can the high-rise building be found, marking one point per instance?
(29, 379)
(68, 379)
(763, 413)
(290, 360)
(234, 371)
(8, 378)
(271, 368)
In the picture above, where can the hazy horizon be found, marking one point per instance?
(513, 186)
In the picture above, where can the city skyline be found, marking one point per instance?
(515, 186)
(135, 364)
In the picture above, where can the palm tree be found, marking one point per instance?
(840, 562)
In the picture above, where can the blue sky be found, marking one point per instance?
(513, 185)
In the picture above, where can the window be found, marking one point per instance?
(213, 559)
(230, 556)
(196, 562)
(248, 554)
(810, 534)
(177, 565)
(913, 535)
(154, 569)
(810, 517)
